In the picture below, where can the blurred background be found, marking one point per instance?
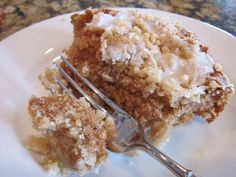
(18, 14)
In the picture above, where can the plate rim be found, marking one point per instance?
(122, 8)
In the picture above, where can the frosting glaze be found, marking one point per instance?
(153, 46)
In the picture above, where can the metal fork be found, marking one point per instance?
(130, 134)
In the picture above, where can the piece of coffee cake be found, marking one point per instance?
(74, 135)
(153, 68)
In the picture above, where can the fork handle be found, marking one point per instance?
(173, 166)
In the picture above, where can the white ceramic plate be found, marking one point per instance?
(209, 150)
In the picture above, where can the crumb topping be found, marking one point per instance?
(157, 49)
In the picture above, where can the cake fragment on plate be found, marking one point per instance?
(74, 136)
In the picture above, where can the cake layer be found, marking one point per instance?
(153, 68)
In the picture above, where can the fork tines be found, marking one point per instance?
(75, 85)
(125, 123)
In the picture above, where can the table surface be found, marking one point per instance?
(18, 14)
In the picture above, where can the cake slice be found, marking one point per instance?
(153, 68)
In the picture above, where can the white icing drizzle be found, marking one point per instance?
(168, 69)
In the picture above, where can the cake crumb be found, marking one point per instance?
(74, 135)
